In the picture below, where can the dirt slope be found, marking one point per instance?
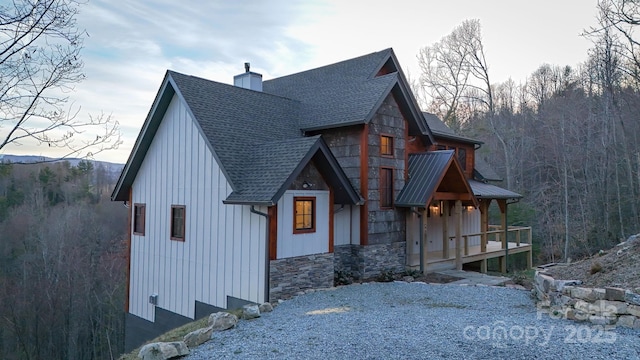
(619, 267)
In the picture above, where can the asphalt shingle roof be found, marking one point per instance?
(440, 129)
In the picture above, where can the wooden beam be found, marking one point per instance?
(273, 231)
(445, 230)
(458, 220)
(364, 184)
(441, 195)
(128, 240)
(503, 220)
(483, 266)
(424, 239)
(484, 224)
(503, 264)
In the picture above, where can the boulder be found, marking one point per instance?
(634, 310)
(408, 279)
(599, 294)
(632, 298)
(602, 320)
(163, 351)
(577, 315)
(606, 307)
(585, 307)
(561, 284)
(265, 308)
(582, 293)
(626, 321)
(250, 311)
(614, 294)
(222, 321)
(636, 324)
(198, 337)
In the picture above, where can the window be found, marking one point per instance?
(304, 217)
(462, 157)
(177, 222)
(138, 219)
(386, 188)
(386, 145)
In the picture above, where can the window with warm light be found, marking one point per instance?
(304, 217)
(386, 145)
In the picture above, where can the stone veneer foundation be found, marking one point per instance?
(290, 276)
(366, 262)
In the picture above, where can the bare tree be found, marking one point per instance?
(40, 64)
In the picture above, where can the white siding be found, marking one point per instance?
(221, 254)
(346, 225)
(470, 225)
(290, 244)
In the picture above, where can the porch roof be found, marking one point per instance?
(432, 175)
(487, 191)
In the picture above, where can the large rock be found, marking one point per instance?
(605, 307)
(632, 298)
(198, 337)
(250, 311)
(562, 284)
(265, 308)
(222, 321)
(634, 310)
(583, 293)
(163, 351)
(614, 294)
(602, 320)
(626, 321)
(585, 307)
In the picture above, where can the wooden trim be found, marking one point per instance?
(405, 149)
(273, 232)
(439, 195)
(128, 255)
(184, 222)
(364, 184)
(331, 214)
(380, 188)
(144, 211)
(312, 199)
(393, 139)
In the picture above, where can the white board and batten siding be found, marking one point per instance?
(224, 244)
(470, 225)
(346, 225)
(292, 245)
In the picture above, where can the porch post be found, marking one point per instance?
(445, 229)
(458, 220)
(484, 223)
(424, 241)
(503, 220)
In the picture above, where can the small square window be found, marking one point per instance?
(177, 222)
(386, 145)
(304, 217)
(138, 219)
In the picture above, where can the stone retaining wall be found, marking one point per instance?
(290, 276)
(566, 299)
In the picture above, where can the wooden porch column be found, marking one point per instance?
(484, 223)
(445, 229)
(458, 220)
(503, 220)
(424, 240)
(530, 257)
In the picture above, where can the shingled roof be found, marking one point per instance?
(441, 130)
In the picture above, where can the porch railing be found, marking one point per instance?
(497, 232)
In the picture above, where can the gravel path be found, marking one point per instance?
(416, 321)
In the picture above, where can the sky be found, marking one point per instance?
(131, 44)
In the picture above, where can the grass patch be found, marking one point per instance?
(177, 334)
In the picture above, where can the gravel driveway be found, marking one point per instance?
(416, 321)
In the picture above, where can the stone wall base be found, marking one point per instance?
(366, 262)
(290, 276)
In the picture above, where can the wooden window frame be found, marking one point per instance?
(184, 221)
(383, 190)
(136, 221)
(391, 141)
(296, 230)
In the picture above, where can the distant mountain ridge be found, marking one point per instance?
(113, 169)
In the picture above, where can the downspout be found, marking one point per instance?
(267, 260)
(506, 231)
(421, 239)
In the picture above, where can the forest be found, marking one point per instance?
(62, 262)
(567, 138)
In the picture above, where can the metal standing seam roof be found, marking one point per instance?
(425, 171)
(488, 191)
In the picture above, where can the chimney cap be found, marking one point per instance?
(246, 66)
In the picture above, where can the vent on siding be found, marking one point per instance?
(153, 299)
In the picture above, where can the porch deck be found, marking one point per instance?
(436, 260)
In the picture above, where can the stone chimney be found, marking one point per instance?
(248, 80)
